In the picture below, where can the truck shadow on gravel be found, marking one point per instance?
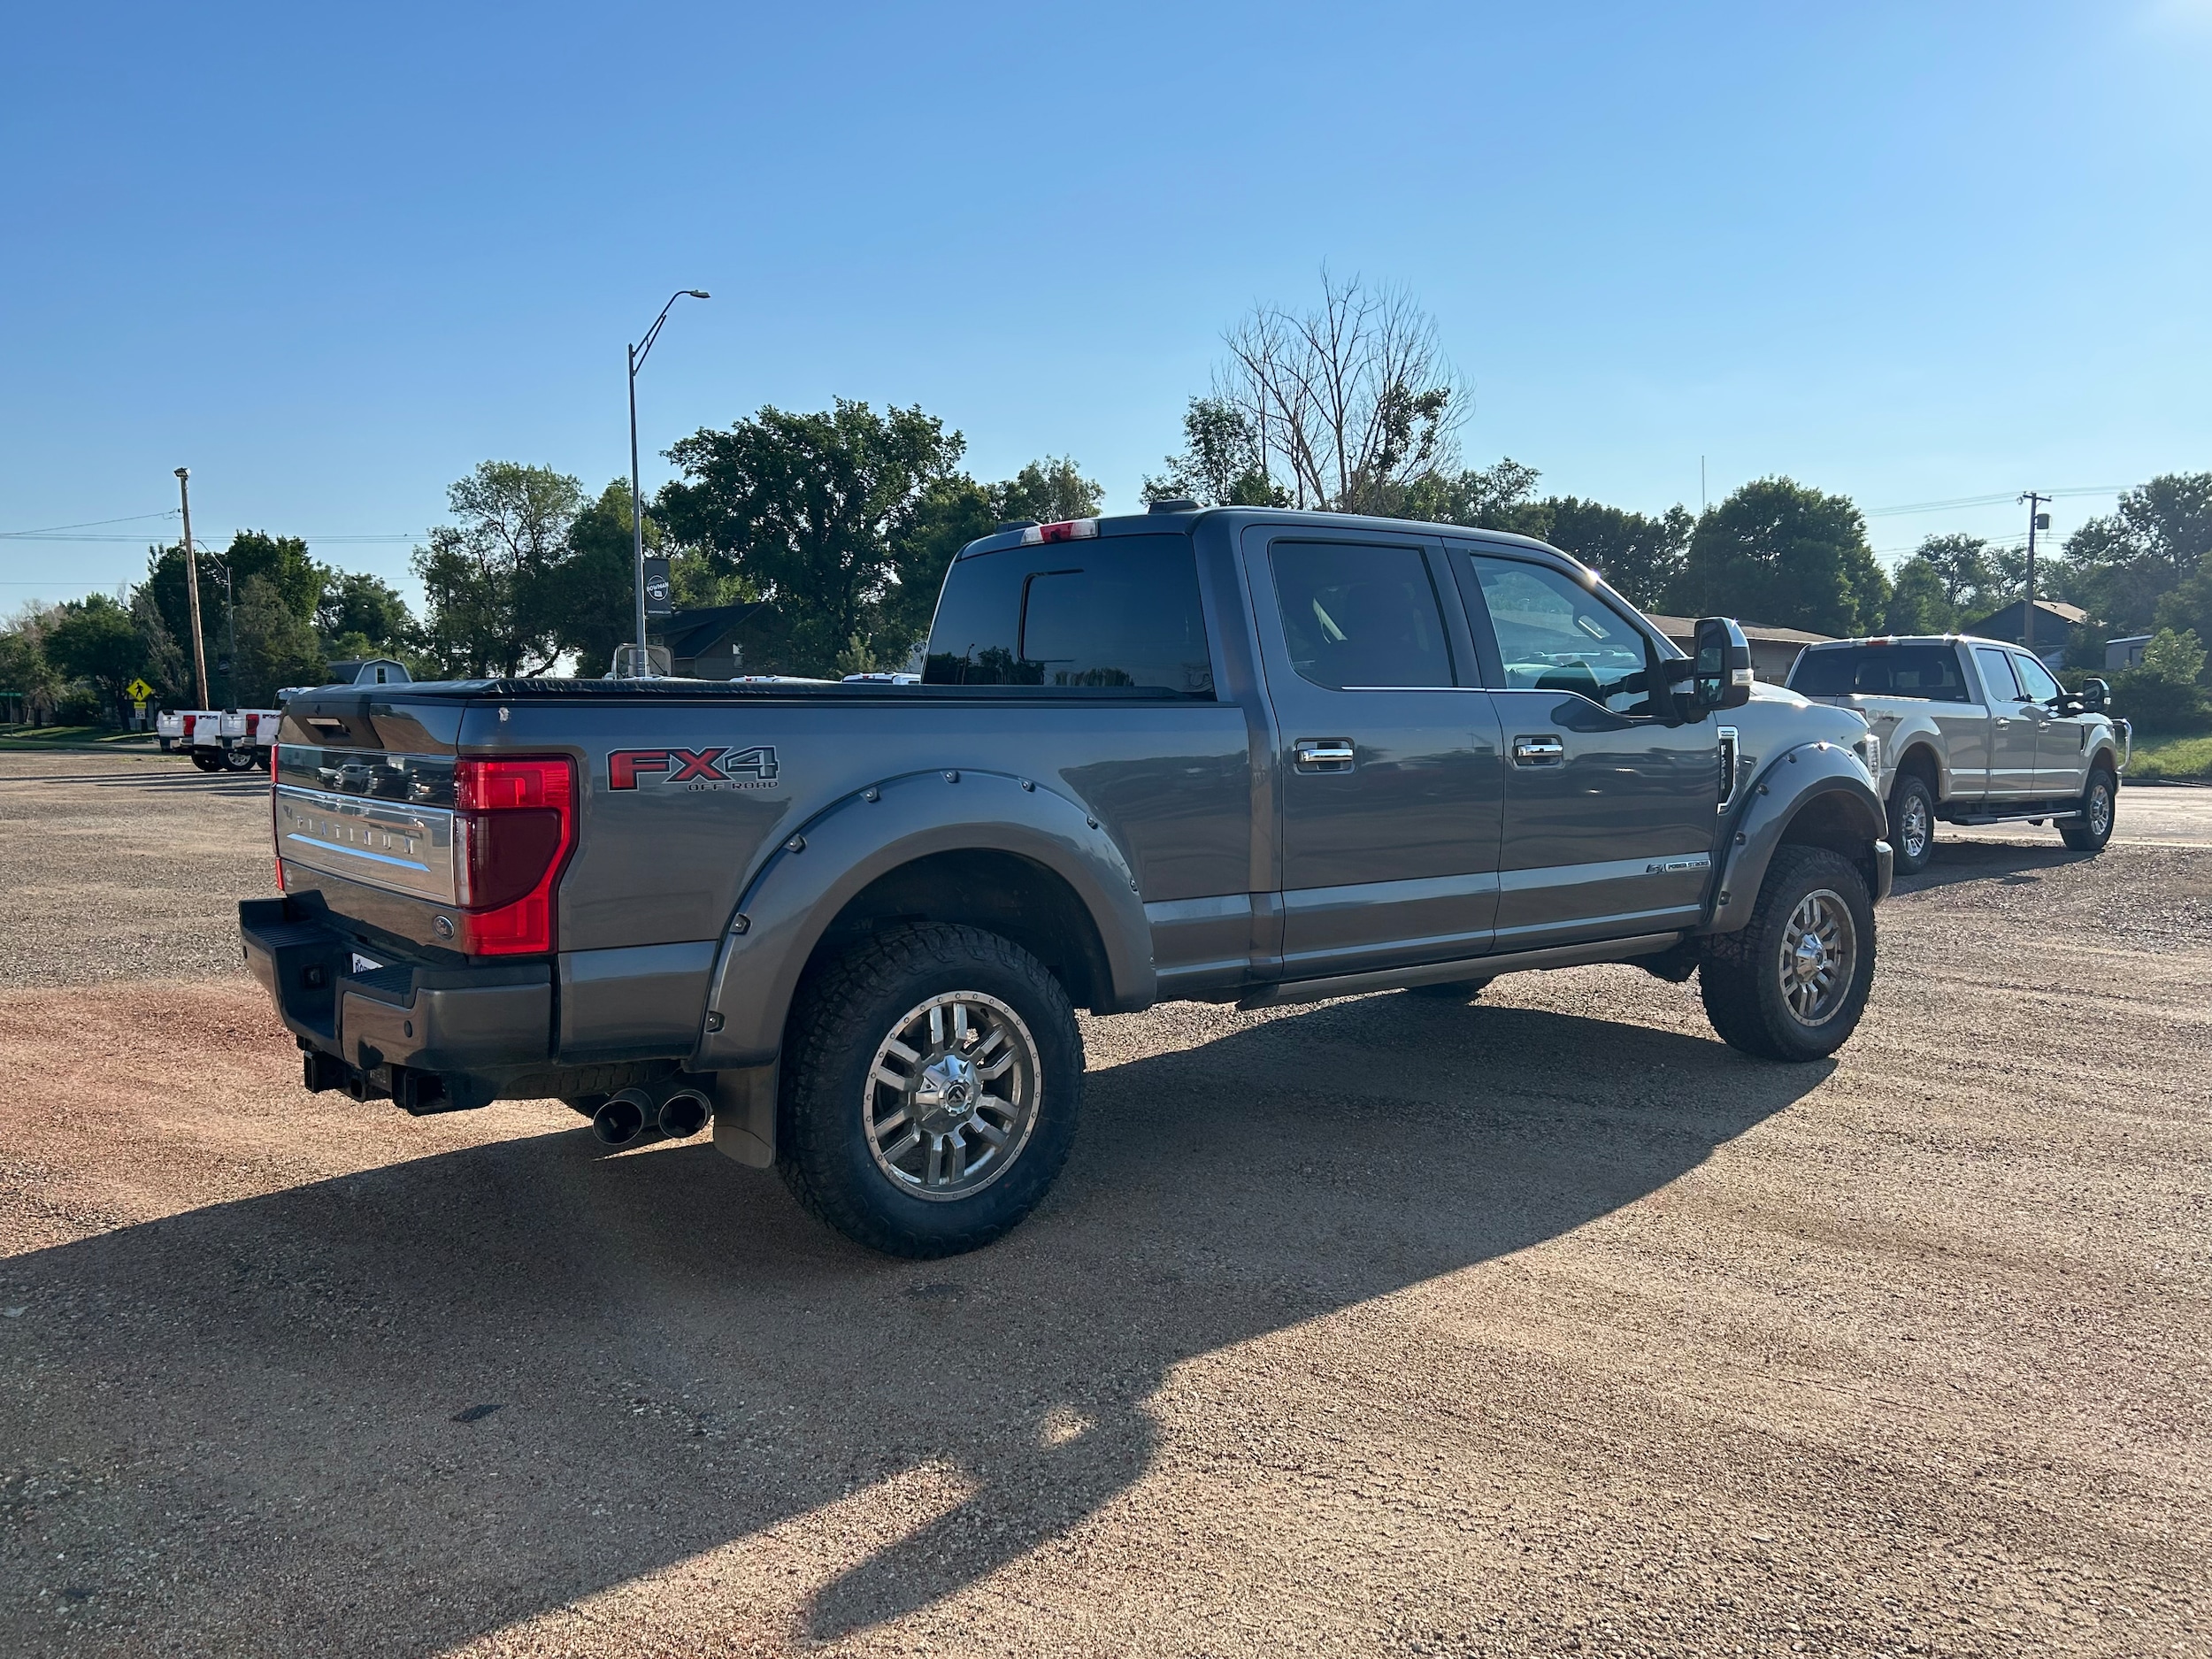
(261, 1426)
(2004, 862)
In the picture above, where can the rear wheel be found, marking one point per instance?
(2100, 803)
(931, 1083)
(237, 760)
(208, 760)
(1793, 984)
(1912, 822)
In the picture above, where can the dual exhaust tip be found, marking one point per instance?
(677, 1111)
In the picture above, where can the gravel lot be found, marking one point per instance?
(1545, 1326)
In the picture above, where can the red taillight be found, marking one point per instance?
(516, 822)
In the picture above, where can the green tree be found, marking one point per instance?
(165, 667)
(1501, 496)
(2118, 567)
(357, 605)
(1051, 491)
(1778, 553)
(482, 576)
(1919, 600)
(295, 580)
(277, 647)
(2162, 692)
(1222, 464)
(585, 601)
(813, 510)
(92, 638)
(1967, 567)
(25, 671)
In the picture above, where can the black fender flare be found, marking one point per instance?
(1794, 781)
(820, 866)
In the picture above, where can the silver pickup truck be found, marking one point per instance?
(1974, 732)
(1234, 756)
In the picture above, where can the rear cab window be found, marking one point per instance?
(1927, 672)
(1110, 612)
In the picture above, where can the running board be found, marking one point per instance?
(2016, 817)
(1465, 968)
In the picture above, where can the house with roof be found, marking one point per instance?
(1773, 650)
(2055, 624)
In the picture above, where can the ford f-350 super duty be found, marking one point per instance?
(1974, 731)
(1233, 755)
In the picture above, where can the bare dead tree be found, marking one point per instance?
(1351, 404)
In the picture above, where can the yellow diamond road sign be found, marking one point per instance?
(140, 690)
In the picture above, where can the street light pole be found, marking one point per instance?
(642, 666)
(192, 585)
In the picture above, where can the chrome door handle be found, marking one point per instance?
(1538, 751)
(1323, 753)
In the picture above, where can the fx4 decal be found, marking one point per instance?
(696, 769)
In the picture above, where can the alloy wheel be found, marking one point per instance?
(1818, 957)
(952, 1095)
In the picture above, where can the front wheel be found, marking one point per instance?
(1912, 823)
(2099, 802)
(1791, 984)
(932, 1082)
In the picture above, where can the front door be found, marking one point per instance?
(1611, 804)
(2061, 768)
(1388, 771)
(2013, 723)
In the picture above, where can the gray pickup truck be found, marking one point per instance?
(1974, 731)
(1234, 756)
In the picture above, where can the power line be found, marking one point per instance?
(51, 529)
(2009, 498)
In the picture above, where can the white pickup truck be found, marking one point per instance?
(1974, 731)
(220, 740)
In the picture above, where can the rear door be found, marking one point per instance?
(1610, 809)
(2013, 726)
(1387, 754)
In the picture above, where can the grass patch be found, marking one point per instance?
(2171, 760)
(38, 737)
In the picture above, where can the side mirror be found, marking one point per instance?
(1721, 677)
(2095, 695)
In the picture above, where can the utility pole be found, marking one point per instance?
(642, 667)
(192, 587)
(2037, 519)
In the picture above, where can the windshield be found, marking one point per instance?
(1930, 671)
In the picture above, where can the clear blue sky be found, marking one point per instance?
(331, 258)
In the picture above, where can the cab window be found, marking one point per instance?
(2035, 680)
(1359, 617)
(1555, 634)
(1996, 667)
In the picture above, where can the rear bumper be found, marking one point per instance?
(1885, 870)
(435, 1039)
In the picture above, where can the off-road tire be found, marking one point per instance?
(843, 1013)
(1452, 991)
(1911, 794)
(2082, 834)
(1738, 975)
